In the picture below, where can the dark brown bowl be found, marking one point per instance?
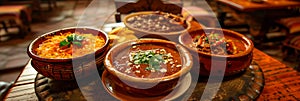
(64, 69)
(215, 64)
(171, 35)
(159, 85)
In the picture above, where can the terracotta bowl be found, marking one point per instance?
(215, 64)
(155, 30)
(146, 86)
(64, 68)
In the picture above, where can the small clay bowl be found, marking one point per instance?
(64, 68)
(144, 86)
(214, 64)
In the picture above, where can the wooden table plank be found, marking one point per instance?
(276, 87)
(22, 92)
(23, 89)
(26, 79)
(27, 76)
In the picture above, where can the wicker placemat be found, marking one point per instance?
(244, 86)
(48, 89)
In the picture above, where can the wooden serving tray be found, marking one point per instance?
(246, 85)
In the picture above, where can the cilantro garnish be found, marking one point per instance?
(72, 39)
(148, 57)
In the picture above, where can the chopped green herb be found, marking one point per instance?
(64, 43)
(79, 38)
(148, 68)
(136, 62)
(149, 57)
(77, 43)
(72, 39)
(197, 36)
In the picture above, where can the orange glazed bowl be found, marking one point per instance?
(219, 50)
(156, 24)
(148, 67)
(61, 53)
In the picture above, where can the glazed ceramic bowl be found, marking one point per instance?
(155, 24)
(64, 68)
(217, 64)
(134, 78)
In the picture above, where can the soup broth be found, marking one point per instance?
(148, 61)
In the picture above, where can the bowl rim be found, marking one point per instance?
(249, 46)
(186, 62)
(156, 33)
(86, 56)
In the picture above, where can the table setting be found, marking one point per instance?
(152, 55)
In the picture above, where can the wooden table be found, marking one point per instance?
(281, 82)
(248, 6)
(260, 16)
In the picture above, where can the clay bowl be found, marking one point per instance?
(64, 68)
(132, 81)
(217, 64)
(155, 24)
